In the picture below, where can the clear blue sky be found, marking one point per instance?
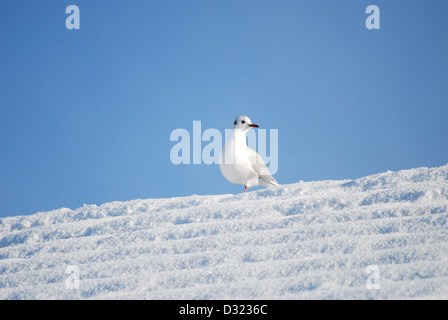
(86, 115)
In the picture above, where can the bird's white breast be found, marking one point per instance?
(235, 161)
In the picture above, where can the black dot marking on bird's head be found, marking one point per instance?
(234, 122)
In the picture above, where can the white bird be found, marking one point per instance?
(239, 163)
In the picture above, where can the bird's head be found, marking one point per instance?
(243, 123)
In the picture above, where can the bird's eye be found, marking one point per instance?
(242, 121)
(234, 122)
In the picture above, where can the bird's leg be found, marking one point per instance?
(245, 188)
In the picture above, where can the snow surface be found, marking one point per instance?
(309, 240)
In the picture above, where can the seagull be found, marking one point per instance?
(239, 163)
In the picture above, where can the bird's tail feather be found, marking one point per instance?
(267, 181)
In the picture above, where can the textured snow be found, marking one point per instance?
(309, 240)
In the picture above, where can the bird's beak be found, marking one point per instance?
(253, 125)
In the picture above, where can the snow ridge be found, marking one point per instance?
(309, 240)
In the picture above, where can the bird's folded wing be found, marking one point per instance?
(260, 168)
